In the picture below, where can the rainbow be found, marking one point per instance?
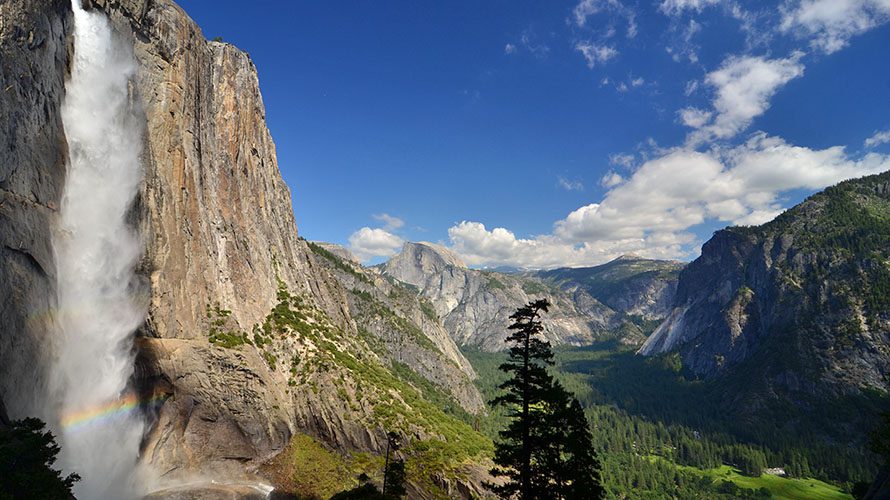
(106, 412)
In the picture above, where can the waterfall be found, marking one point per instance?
(96, 252)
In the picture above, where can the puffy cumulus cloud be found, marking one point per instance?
(878, 139)
(676, 7)
(479, 246)
(367, 243)
(743, 87)
(390, 222)
(830, 24)
(595, 54)
(652, 213)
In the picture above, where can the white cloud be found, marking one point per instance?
(595, 54)
(691, 87)
(694, 117)
(653, 212)
(509, 48)
(636, 82)
(367, 243)
(611, 179)
(831, 23)
(587, 8)
(878, 139)
(390, 222)
(676, 7)
(569, 185)
(623, 160)
(743, 87)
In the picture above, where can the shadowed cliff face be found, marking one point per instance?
(34, 57)
(800, 302)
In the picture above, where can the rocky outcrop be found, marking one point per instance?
(34, 58)
(800, 301)
(476, 305)
(631, 285)
(406, 325)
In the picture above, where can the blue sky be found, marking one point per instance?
(540, 134)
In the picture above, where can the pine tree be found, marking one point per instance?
(582, 466)
(547, 450)
(527, 390)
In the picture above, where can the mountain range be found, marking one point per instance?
(259, 346)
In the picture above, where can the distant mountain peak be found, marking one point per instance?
(432, 251)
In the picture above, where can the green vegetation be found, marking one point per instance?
(428, 310)
(217, 334)
(338, 262)
(532, 287)
(374, 307)
(402, 401)
(644, 407)
(493, 282)
(778, 488)
(27, 455)
(614, 278)
(848, 227)
(545, 451)
(309, 470)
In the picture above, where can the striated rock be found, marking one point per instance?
(34, 58)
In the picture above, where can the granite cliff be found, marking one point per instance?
(798, 304)
(251, 338)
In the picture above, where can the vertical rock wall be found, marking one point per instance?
(34, 53)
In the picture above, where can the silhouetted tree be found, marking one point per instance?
(526, 392)
(393, 470)
(546, 451)
(27, 454)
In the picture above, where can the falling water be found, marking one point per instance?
(96, 251)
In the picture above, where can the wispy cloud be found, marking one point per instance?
(878, 139)
(595, 54)
(509, 48)
(676, 7)
(390, 222)
(587, 8)
(569, 185)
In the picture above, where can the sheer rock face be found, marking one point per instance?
(34, 57)
(218, 228)
(799, 303)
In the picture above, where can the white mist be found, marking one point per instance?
(96, 251)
